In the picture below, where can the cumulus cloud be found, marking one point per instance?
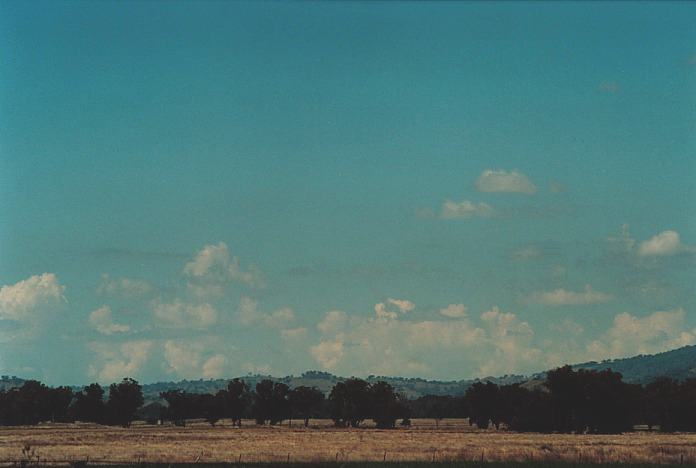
(503, 181)
(662, 244)
(20, 300)
(654, 333)
(248, 313)
(454, 311)
(213, 268)
(328, 353)
(334, 322)
(385, 311)
(114, 363)
(464, 209)
(214, 368)
(389, 344)
(279, 318)
(294, 334)
(102, 321)
(123, 287)
(183, 358)
(180, 315)
(563, 297)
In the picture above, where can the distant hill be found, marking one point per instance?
(324, 381)
(678, 364)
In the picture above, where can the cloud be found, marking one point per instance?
(214, 368)
(662, 244)
(402, 304)
(213, 268)
(294, 334)
(279, 318)
(184, 359)
(454, 311)
(123, 287)
(248, 313)
(611, 87)
(502, 181)
(563, 297)
(115, 363)
(631, 335)
(383, 311)
(180, 315)
(333, 323)
(464, 209)
(388, 344)
(101, 320)
(328, 353)
(22, 299)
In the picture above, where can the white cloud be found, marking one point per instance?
(334, 322)
(384, 311)
(328, 353)
(180, 315)
(214, 368)
(464, 209)
(20, 300)
(503, 181)
(184, 359)
(123, 287)
(102, 321)
(248, 313)
(662, 244)
(388, 344)
(294, 334)
(631, 335)
(563, 297)
(454, 311)
(402, 304)
(113, 364)
(214, 268)
(279, 318)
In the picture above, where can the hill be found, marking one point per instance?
(324, 381)
(678, 364)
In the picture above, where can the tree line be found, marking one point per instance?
(569, 401)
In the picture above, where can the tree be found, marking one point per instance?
(304, 401)
(89, 404)
(481, 400)
(124, 400)
(271, 402)
(350, 402)
(59, 400)
(237, 398)
(386, 406)
(179, 406)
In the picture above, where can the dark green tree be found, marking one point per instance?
(124, 400)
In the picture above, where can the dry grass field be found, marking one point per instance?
(451, 440)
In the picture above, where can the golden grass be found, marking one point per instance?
(424, 441)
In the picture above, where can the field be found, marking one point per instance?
(450, 441)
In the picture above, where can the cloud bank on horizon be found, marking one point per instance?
(356, 196)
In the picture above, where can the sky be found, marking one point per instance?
(440, 190)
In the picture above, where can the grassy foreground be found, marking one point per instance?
(402, 465)
(450, 443)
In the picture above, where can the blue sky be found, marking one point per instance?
(443, 190)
